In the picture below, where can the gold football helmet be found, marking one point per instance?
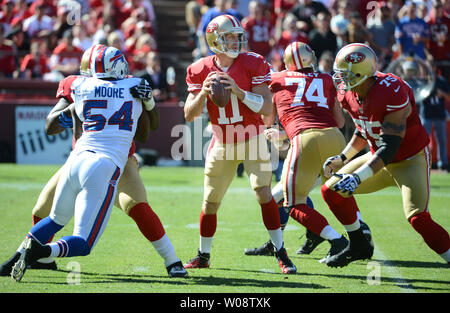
(298, 56)
(216, 33)
(354, 63)
(85, 60)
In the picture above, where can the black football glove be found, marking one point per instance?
(143, 91)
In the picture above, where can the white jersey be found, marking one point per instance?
(109, 114)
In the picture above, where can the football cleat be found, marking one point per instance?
(285, 262)
(43, 266)
(33, 252)
(265, 249)
(337, 245)
(357, 249)
(200, 261)
(367, 233)
(6, 267)
(312, 241)
(176, 270)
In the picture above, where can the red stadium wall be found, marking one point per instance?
(15, 93)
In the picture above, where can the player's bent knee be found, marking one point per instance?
(263, 194)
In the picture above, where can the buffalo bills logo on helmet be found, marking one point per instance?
(212, 27)
(355, 57)
(116, 58)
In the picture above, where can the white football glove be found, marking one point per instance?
(347, 183)
(332, 165)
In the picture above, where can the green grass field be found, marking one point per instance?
(124, 262)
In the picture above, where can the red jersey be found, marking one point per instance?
(439, 43)
(248, 70)
(388, 95)
(303, 100)
(258, 35)
(65, 91)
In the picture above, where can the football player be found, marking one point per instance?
(236, 127)
(131, 194)
(385, 114)
(306, 105)
(88, 180)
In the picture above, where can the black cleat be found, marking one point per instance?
(43, 266)
(176, 270)
(285, 262)
(265, 249)
(337, 245)
(6, 267)
(33, 252)
(201, 260)
(367, 233)
(312, 241)
(357, 249)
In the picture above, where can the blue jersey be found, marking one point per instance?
(404, 33)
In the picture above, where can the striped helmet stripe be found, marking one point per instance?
(298, 62)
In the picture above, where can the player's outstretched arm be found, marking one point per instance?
(59, 118)
(143, 127)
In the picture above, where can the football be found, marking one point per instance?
(220, 96)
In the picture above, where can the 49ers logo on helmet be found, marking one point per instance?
(355, 57)
(211, 27)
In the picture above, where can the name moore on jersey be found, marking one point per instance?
(109, 115)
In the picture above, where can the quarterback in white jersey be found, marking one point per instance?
(108, 114)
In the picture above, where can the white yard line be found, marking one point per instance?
(393, 272)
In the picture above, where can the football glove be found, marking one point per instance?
(143, 91)
(65, 121)
(332, 165)
(347, 183)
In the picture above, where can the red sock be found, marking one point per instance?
(270, 215)
(148, 222)
(343, 208)
(432, 233)
(36, 219)
(308, 217)
(208, 224)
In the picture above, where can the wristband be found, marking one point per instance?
(253, 101)
(343, 157)
(149, 104)
(364, 172)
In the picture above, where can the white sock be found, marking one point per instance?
(329, 233)
(446, 255)
(276, 236)
(166, 250)
(277, 192)
(352, 227)
(55, 249)
(205, 244)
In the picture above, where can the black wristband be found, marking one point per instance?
(343, 157)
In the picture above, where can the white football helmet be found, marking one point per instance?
(108, 62)
(216, 33)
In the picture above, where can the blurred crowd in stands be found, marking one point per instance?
(392, 27)
(45, 39)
